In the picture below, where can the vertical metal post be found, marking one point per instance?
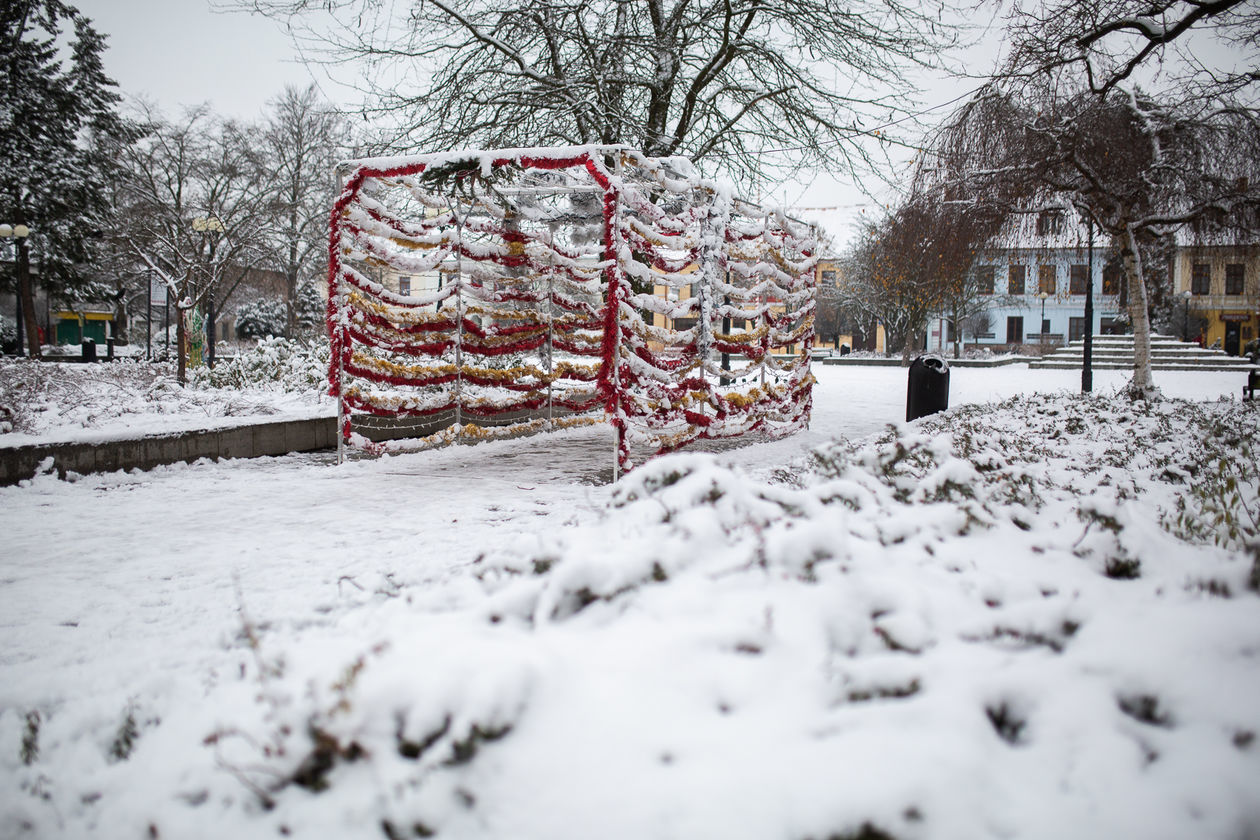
(148, 317)
(21, 326)
(551, 350)
(459, 318)
(341, 408)
(1087, 358)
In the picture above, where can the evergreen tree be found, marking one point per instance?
(57, 115)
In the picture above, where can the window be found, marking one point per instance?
(404, 285)
(1111, 279)
(1234, 279)
(1047, 279)
(1049, 222)
(1015, 330)
(685, 323)
(1015, 280)
(984, 279)
(1200, 279)
(829, 278)
(1079, 283)
(1076, 329)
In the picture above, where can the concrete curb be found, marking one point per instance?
(247, 441)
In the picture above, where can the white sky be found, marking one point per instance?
(180, 52)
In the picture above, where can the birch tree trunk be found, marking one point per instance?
(1139, 316)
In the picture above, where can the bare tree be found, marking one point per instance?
(716, 80)
(1106, 41)
(303, 139)
(193, 205)
(1135, 167)
(918, 263)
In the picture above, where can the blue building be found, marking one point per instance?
(1030, 290)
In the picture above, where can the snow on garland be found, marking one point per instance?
(569, 281)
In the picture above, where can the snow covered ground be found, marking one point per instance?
(1002, 622)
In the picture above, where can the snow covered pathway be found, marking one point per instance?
(475, 636)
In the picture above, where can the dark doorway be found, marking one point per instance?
(1015, 330)
(1231, 338)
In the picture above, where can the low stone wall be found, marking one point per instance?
(248, 441)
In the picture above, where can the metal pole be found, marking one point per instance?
(1087, 362)
(551, 350)
(459, 318)
(21, 327)
(211, 329)
(148, 317)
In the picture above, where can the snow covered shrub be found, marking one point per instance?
(8, 334)
(292, 365)
(261, 318)
(36, 396)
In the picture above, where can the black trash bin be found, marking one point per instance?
(89, 350)
(844, 349)
(928, 391)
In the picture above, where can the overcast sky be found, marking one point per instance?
(181, 53)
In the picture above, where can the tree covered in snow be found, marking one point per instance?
(57, 107)
(718, 80)
(303, 138)
(271, 316)
(1134, 165)
(193, 207)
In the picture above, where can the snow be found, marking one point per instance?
(991, 623)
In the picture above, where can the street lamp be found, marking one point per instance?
(19, 232)
(1185, 316)
(1044, 294)
(210, 228)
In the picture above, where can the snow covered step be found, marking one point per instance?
(1115, 352)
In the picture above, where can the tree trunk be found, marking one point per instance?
(1139, 316)
(908, 348)
(23, 269)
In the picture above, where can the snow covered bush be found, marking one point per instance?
(1028, 619)
(261, 318)
(8, 334)
(296, 366)
(37, 396)
(1009, 595)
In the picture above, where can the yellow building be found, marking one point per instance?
(1219, 286)
(827, 332)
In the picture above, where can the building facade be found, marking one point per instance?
(1031, 291)
(1219, 290)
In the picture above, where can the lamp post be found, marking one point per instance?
(1042, 328)
(1087, 359)
(1185, 315)
(26, 327)
(210, 229)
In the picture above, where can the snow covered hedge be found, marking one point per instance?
(1034, 620)
(292, 365)
(40, 398)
